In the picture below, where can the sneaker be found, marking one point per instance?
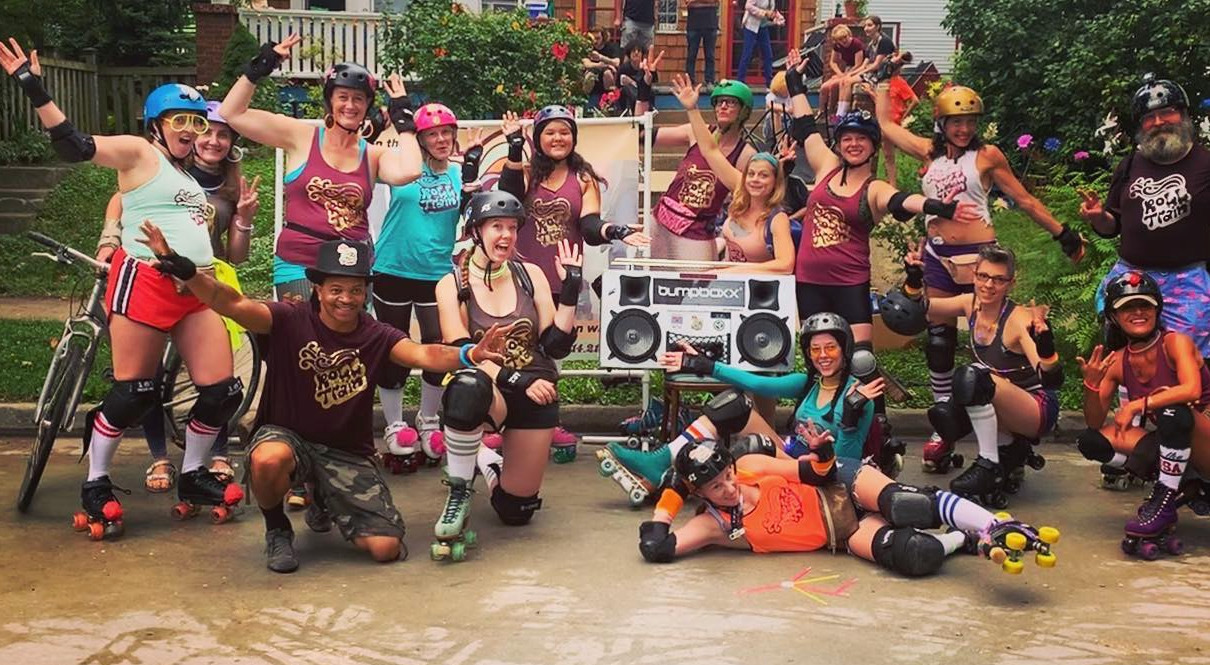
(279, 551)
(318, 518)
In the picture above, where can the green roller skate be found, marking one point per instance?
(452, 536)
(638, 473)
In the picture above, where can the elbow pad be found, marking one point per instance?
(854, 405)
(70, 144)
(943, 210)
(556, 343)
(590, 227)
(801, 128)
(656, 543)
(470, 164)
(513, 182)
(1052, 379)
(895, 207)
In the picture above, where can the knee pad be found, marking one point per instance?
(514, 510)
(1144, 460)
(729, 411)
(128, 401)
(467, 399)
(908, 551)
(909, 506)
(1174, 425)
(1094, 446)
(217, 403)
(432, 378)
(753, 444)
(949, 420)
(863, 364)
(940, 347)
(973, 386)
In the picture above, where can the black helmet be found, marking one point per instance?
(490, 205)
(1130, 285)
(343, 258)
(861, 122)
(902, 314)
(827, 322)
(1156, 94)
(699, 463)
(349, 75)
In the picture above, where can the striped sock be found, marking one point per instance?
(961, 514)
(696, 431)
(199, 439)
(460, 450)
(101, 446)
(942, 384)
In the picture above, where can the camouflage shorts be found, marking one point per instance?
(348, 486)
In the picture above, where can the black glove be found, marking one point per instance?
(914, 275)
(263, 64)
(400, 110)
(794, 82)
(854, 404)
(643, 92)
(1070, 241)
(178, 266)
(31, 85)
(377, 125)
(470, 164)
(516, 146)
(1045, 341)
(697, 364)
(940, 209)
(569, 294)
(515, 381)
(619, 232)
(656, 543)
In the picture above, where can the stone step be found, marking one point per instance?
(7, 192)
(32, 177)
(15, 222)
(17, 204)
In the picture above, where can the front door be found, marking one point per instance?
(779, 35)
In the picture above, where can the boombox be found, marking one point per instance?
(744, 320)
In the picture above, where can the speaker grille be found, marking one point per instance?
(763, 340)
(633, 336)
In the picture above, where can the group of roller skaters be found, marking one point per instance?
(496, 319)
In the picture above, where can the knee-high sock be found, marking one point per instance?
(101, 447)
(942, 384)
(962, 514)
(983, 422)
(1172, 465)
(430, 399)
(460, 451)
(392, 404)
(693, 432)
(199, 439)
(951, 541)
(491, 465)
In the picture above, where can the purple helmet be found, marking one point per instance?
(551, 113)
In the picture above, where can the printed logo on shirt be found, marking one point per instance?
(785, 508)
(437, 194)
(945, 180)
(196, 203)
(828, 227)
(344, 203)
(338, 376)
(550, 219)
(519, 344)
(1165, 201)
(697, 190)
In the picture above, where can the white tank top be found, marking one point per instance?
(947, 176)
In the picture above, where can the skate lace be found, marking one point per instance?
(1160, 497)
(458, 495)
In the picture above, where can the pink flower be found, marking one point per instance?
(1024, 141)
(1080, 155)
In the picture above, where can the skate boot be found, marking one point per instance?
(1196, 495)
(982, 483)
(938, 455)
(890, 453)
(1153, 528)
(1116, 478)
(638, 473)
(102, 514)
(563, 446)
(402, 454)
(452, 536)
(1014, 458)
(432, 439)
(200, 488)
(1006, 540)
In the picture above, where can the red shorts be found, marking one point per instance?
(145, 295)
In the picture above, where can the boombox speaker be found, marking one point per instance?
(743, 320)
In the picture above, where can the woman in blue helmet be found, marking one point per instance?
(144, 305)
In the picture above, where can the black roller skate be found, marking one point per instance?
(983, 483)
(938, 456)
(102, 514)
(1153, 528)
(199, 488)
(1014, 458)
(1006, 540)
(889, 456)
(1196, 495)
(1116, 478)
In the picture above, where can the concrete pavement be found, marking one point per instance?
(572, 588)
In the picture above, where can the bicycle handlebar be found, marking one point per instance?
(65, 253)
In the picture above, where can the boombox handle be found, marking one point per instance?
(675, 263)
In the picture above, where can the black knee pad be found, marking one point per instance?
(514, 510)
(940, 346)
(908, 551)
(467, 399)
(949, 420)
(907, 505)
(1094, 446)
(218, 402)
(1144, 460)
(753, 444)
(729, 411)
(1174, 425)
(432, 378)
(973, 386)
(128, 401)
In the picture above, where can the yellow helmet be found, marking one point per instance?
(778, 86)
(957, 100)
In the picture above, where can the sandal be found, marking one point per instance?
(161, 477)
(220, 467)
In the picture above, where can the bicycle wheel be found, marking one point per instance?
(65, 371)
(180, 394)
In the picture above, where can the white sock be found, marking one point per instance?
(105, 440)
(983, 421)
(942, 384)
(842, 108)
(392, 404)
(489, 461)
(962, 514)
(1172, 465)
(460, 450)
(693, 432)
(1118, 461)
(951, 541)
(430, 399)
(199, 439)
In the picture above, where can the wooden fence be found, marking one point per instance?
(97, 99)
(327, 37)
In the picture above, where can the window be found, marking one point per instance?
(666, 15)
(499, 5)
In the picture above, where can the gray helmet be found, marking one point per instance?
(827, 322)
(491, 205)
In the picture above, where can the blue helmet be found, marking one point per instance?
(861, 122)
(172, 97)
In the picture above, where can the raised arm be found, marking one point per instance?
(899, 136)
(512, 176)
(272, 129)
(1071, 242)
(402, 164)
(802, 127)
(687, 93)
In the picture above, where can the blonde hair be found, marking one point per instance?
(841, 31)
(741, 201)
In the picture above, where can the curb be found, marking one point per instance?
(16, 419)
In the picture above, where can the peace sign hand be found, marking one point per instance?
(650, 65)
(249, 202)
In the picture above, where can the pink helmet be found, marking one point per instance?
(434, 115)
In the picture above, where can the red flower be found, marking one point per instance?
(559, 51)
(456, 8)
(533, 96)
(439, 52)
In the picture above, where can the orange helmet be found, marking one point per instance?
(957, 100)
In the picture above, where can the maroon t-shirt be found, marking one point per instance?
(320, 383)
(1164, 210)
(848, 54)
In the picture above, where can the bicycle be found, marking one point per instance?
(72, 363)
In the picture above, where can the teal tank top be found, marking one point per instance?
(418, 233)
(176, 203)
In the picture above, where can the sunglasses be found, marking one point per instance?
(831, 350)
(180, 122)
(998, 280)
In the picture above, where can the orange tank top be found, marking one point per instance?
(787, 517)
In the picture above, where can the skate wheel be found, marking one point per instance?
(182, 511)
(634, 443)
(958, 460)
(458, 551)
(1016, 541)
(439, 551)
(79, 521)
(997, 555)
(1149, 551)
(115, 529)
(96, 531)
(1048, 535)
(1174, 546)
(1003, 516)
(220, 514)
(1129, 545)
(1012, 566)
(637, 496)
(471, 539)
(608, 466)
(1045, 560)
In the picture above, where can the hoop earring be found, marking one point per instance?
(235, 155)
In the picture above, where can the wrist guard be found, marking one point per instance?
(699, 364)
(516, 147)
(470, 164)
(794, 83)
(31, 85)
(178, 266)
(400, 110)
(569, 294)
(1069, 240)
(1045, 341)
(943, 210)
(263, 64)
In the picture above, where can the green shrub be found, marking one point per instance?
(26, 146)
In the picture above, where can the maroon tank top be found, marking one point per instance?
(694, 197)
(551, 216)
(1164, 377)
(521, 345)
(323, 203)
(835, 246)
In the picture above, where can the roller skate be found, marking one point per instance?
(493, 440)
(1196, 495)
(938, 456)
(1154, 527)
(563, 446)
(1118, 479)
(102, 514)
(200, 488)
(1006, 540)
(889, 458)
(432, 439)
(637, 428)
(402, 455)
(983, 483)
(452, 536)
(638, 473)
(1014, 458)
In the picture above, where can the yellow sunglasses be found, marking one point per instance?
(180, 122)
